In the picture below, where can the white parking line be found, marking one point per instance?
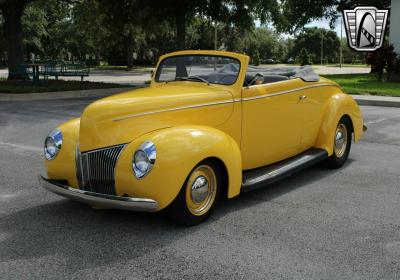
(8, 196)
(382, 120)
(21, 147)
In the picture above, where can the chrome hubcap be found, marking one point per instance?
(340, 140)
(200, 189)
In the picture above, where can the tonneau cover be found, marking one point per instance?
(306, 73)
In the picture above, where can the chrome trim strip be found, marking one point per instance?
(97, 199)
(279, 171)
(174, 109)
(105, 148)
(223, 102)
(79, 167)
(286, 92)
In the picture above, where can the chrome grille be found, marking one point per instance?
(95, 169)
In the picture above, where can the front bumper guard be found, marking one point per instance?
(98, 199)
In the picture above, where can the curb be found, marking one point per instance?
(381, 101)
(64, 94)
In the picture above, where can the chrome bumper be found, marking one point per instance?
(98, 199)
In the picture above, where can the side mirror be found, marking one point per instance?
(152, 73)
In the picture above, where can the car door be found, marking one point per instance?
(313, 110)
(271, 123)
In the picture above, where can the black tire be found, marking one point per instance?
(180, 212)
(337, 159)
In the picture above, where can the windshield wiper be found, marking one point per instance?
(192, 78)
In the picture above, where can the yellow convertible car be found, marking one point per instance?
(210, 126)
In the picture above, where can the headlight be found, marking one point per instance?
(52, 144)
(144, 159)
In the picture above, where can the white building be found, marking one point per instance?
(395, 25)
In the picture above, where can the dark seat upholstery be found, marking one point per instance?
(267, 78)
(274, 78)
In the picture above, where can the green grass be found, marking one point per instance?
(365, 84)
(50, 86)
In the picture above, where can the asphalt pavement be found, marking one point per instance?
(318, 224)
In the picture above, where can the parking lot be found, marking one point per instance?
(318, 224)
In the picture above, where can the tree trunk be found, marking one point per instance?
(181, 29)
(12, 14)
(129, 52)
(98, 57)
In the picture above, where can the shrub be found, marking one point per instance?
(384, 59)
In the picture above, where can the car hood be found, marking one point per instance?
(121, 118)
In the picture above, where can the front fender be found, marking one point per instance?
(335, 108)
(179, 150)
(63, 166)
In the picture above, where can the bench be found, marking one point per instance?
(63, 69)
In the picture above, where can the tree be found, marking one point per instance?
(311, 38)
(240, 13)
(263, 40)
(384, 59)
(349, 55)
(12, 11)
(61, 38)
(256, 58)
(2, 42)
(34, 29)
(90, 25)
(297, 13)
(177, 11)
(304, 57)
(126, 20)
(286, 15)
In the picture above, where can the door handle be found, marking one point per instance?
(302, 97)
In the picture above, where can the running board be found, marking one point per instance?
(263, 176)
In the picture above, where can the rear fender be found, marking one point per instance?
(335, 108)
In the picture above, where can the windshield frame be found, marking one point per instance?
(157, 73)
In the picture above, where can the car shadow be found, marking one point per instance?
(86, 238)
(82, 237)
(270, 192)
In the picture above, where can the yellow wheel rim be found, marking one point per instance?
(341, 138)
(201, 190)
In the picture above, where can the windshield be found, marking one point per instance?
(199, 68)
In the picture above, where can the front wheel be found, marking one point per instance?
(341, 144)
(198, 196)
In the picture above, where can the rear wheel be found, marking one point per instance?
(198, 196)
(341, 144)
